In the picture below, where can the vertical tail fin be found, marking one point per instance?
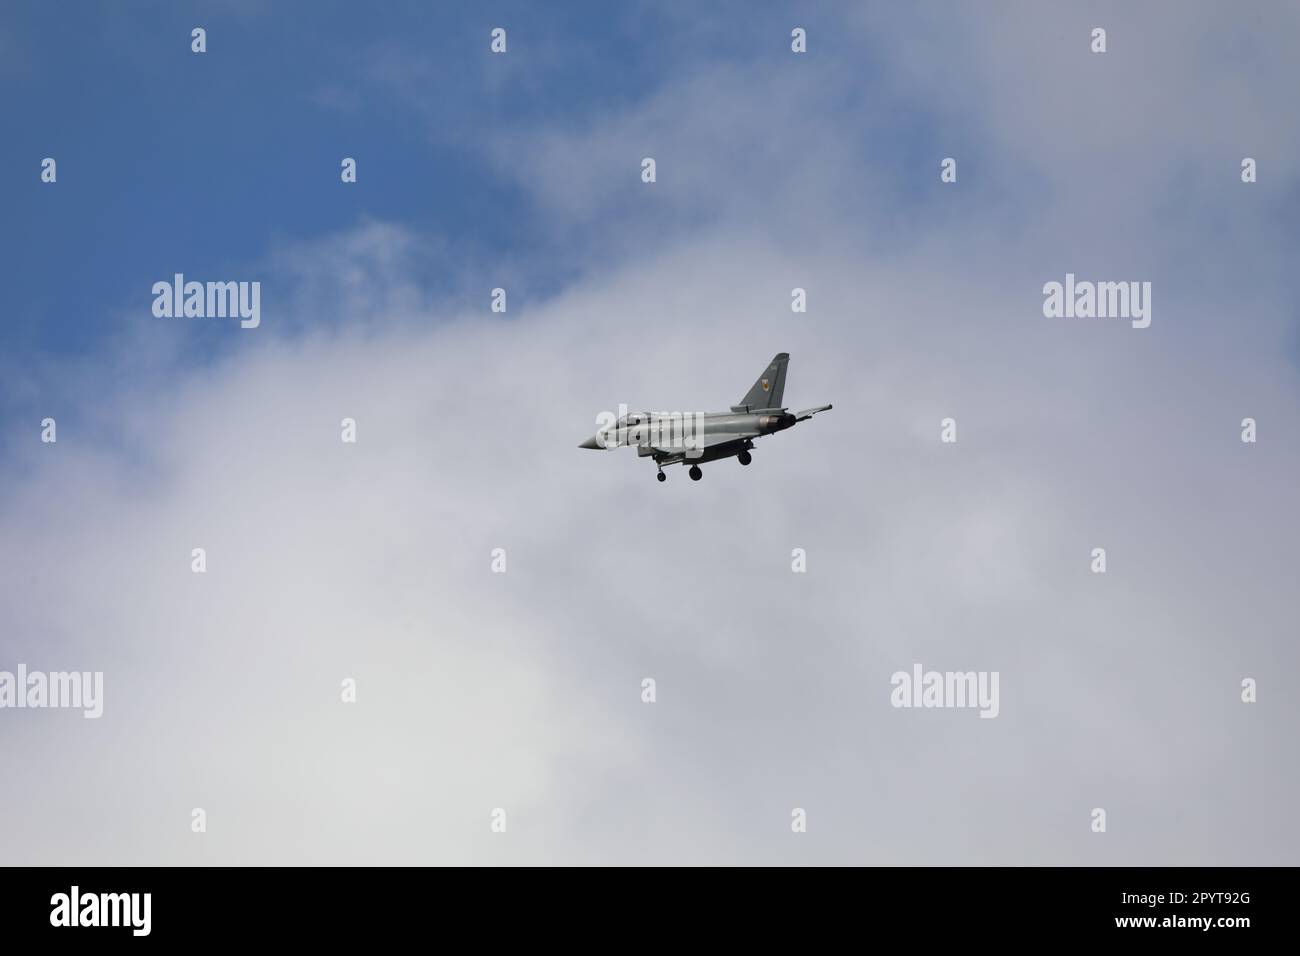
(769, 390)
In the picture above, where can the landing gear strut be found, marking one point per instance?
(744, 458)
(695, 473)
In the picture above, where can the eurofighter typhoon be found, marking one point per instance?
(671, 438)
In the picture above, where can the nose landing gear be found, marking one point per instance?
(744, 458)
(661, 476)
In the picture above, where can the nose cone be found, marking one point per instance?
(591, 443)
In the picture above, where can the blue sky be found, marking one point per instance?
(174, 161)
(171, 161)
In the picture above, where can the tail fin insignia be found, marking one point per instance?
(769, 390)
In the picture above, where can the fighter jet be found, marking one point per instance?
(672, 438)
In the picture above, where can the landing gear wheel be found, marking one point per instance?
(695, 473)
(744, 458)
(661, 476)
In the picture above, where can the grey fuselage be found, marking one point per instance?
(696, 437)
(692, 437)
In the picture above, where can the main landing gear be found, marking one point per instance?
(695, 473)
(744, 458)
(661, 476)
